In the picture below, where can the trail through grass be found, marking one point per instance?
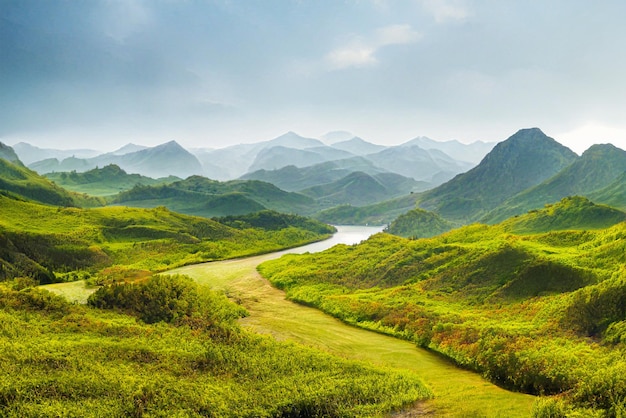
(458, 393)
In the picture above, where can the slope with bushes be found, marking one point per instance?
(534, 303)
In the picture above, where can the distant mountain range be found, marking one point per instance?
(432, 165)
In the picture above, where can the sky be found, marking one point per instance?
(211, 73)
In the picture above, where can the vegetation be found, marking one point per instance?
(376, 214)
(203, 197)
(51, 243)
(181, 353)
(419, 223)
(18, 181)
(535, 303)
(108, 180)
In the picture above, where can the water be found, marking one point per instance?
(345, 235)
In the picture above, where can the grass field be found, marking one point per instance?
(458, 393)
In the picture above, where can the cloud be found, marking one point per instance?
(362, 52)
(446, 10)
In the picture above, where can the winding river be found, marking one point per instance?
(458, 393)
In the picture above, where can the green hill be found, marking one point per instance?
(376, 214)
(524, 160)
(570, 213)
(360, 189)
(48, 243)
(613, 194)
(597, 168)
(203, 197)
(19, 181)
(419, 223)
(534, 303)
(104, 181)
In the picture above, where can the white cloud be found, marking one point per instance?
(446, 10)
(362, 52)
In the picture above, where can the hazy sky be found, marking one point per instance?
(210, 73)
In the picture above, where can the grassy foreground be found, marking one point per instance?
(457, 392)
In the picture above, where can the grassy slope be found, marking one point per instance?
(58, 359)
(419, 223)
(104, 181)
(39, 238)
(458, 393)
(520, 308)
(17, 180)
(200, 196)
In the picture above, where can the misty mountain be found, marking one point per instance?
(169, 159)
(358, 146)
(127, 149)
(359, 188)
(595, 169)
(292, 178)
(280, 156)
(29, 153)
(425, 165)
(336, 136)
(524, 160)
(472, 153)
(613, 195)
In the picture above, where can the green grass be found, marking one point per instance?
(540, 313)
(457, 392)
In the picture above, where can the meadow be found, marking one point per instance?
(530, 305)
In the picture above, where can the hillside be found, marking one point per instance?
(18, 181)
(280, 156)
(595, 169)
(419, 223)
(203, 197)
(45, 242)
(376, 214)
(104, 181)
(534, 303)
(613, 194)
(473, 152)
(358, 146)
(8, 153)
(524, 160)
(359, 189)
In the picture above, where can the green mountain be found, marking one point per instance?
(376, 214)
(104, 181)
(200, 196)
(419, 223)
(359, 188)
(17, 180)
(614, 194)
(597, 168)
(524, 160)
(293, 179)
(7, 153)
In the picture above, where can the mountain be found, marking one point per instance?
(169, 159)
(104, 181)
(524, 160)
(336, 136)
(359, 188)
(22, 183)
(473, 152)
(595, 169)
(280, 156)
(127, 149)
(614, 194)
(29, 153)
(8, 154)
(235, 161)
(418, 163)
(200, 196)
(381, 213)
(358, 146)
(419, 223)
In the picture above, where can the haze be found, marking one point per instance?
(103, 73)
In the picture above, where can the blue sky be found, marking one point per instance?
(211, 73)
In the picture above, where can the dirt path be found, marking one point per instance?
(458, 393)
